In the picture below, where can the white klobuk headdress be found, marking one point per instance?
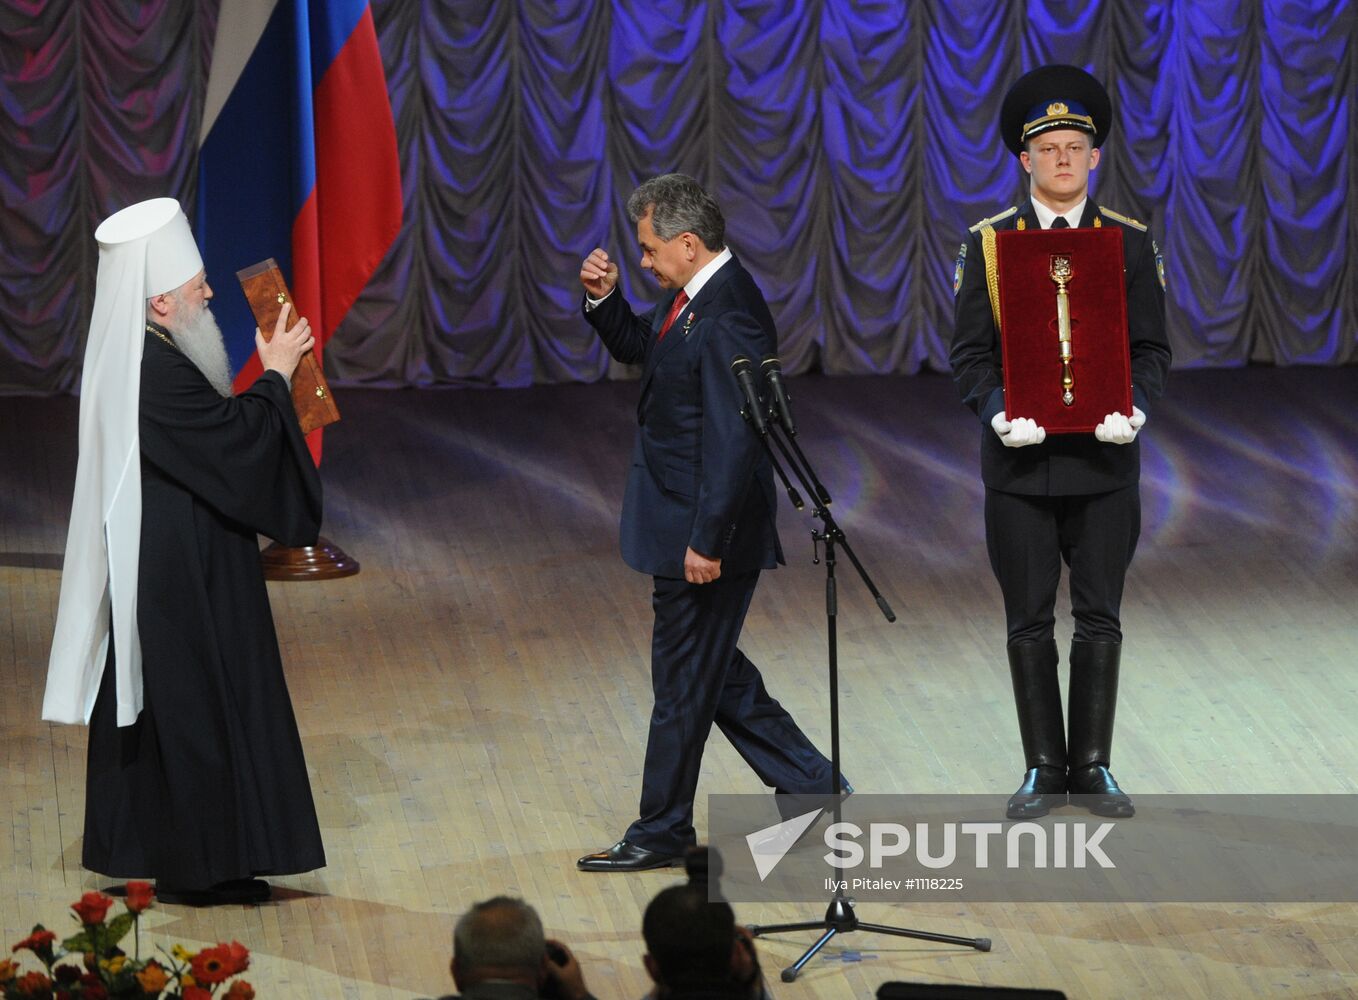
(144, 250)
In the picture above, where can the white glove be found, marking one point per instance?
(1019, 432)
(1117, 429)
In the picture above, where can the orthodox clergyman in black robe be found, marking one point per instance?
(196, 775)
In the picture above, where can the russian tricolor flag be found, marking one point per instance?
(297, 161)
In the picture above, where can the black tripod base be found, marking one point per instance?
(840, 918)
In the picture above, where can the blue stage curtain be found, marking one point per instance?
(99, 108)
(850, 145)
(1308, 178)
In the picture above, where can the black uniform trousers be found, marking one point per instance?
(1028, 537)
(700, 677)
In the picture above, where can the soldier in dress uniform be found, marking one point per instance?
(1071, 498)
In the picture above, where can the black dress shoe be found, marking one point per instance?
(237, 891)
(791, 804)
(625, 857)
(1043, 789)
(845, 790)
(1094, 788)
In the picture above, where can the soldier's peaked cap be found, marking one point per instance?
(1054, 97)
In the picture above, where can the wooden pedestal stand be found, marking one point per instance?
(323, 561)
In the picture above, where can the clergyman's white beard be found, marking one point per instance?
(200, 338)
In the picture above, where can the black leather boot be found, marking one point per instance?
(1037, 694)
(1093, 703)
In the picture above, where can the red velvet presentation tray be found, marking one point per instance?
(1098, 318)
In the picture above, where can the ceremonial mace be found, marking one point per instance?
(1061, 273)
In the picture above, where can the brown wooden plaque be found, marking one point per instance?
(266, 291)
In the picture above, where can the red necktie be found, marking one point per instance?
(680, 301)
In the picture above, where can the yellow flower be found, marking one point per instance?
(113, 965)
(8, 969)
(182, 954)
(187, 980)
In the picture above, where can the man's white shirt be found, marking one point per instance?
(1045, 216)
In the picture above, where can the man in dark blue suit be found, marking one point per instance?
(698, 513)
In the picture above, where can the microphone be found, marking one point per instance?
(782, 403)
(743, 370)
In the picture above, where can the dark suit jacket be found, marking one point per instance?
(1064, 464)
(699, 477)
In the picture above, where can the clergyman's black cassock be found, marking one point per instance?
(210, 783)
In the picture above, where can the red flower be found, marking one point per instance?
(236, 957)
(195, 993)
(240, 957)
(92, 908)
(220, 962)
(93, 987)
(139, 896)
(241, 990)
(208, 967)
(32, 984)
(66, 974)
(39, 942)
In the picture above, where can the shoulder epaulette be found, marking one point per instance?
(994, 219)
(1119, 217)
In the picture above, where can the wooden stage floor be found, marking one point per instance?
(474, 703)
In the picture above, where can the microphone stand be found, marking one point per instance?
(840, 917)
